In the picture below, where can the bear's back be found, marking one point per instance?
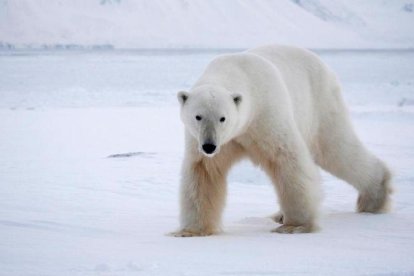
(312, 86)
(297, 64)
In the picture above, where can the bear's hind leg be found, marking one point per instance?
(376, 201)
(343, 155)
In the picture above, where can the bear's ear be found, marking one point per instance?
(237, 98)
(182, 97)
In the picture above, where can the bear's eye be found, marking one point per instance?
(222, 119)
(198, 117)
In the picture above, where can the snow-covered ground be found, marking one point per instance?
(204, 24)
(66, 208)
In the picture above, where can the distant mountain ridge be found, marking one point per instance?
(205, 24)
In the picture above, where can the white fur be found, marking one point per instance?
(283, 109)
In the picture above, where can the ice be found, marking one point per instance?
(66, 208)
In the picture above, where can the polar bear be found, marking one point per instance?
(281, 107)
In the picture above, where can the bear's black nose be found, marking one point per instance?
(209, 148)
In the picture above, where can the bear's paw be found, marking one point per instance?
(292, 229)
(190, 233)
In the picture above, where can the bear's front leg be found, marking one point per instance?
(203, 191)
(297, 182)
(298, 186)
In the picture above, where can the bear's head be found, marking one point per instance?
(210, 115)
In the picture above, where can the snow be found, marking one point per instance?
(206, 24)
(91, 146)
